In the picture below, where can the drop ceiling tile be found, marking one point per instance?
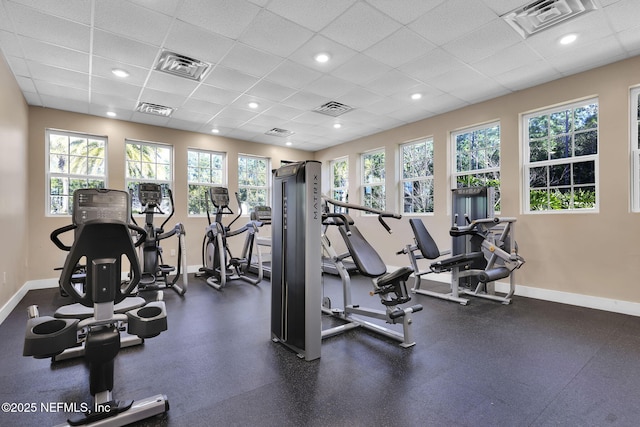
(122, 17)
(522, 77)
(63, 92)
(313, 14)
(329, 86)
(215, 94)
(162, 98)
(433, 64)
(58, 76)
(205, 107)
(452, 19)
(483, 42)
(454, 78)
(392, 82)
(320, 44)
(506, 59)
(230, 80)
(65, 104)
(171, 84)
(187, 125)
(242, 102)
(293, 75)
(250, 61)
(271, 91)
(443, 103)
(283, 112)
(500, 7)
(124, 50)
(113, 101)
(479, 90)
(310, 118)
(400, 47)
(192, 116)
(385, 106)
(630, 40)
(168, 7)
(407, 10)
(55, 55)
(360, 27)
(18, 66)
(5, 21)
(353, 69)
(26, 84)
(232, 113)
(149, 119)
(623, 14)
(32, 99)
(110, 86)
(274, 34)
(49, 28)
(228, 18)
(587, 56)
(74, 10)
(9, 44)
(101, 110)
(196, 42)
(267, 122)
(359, 97)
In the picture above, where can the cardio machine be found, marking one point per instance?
(154, 272)
(217, 261)
(389, 286)
(103, 240)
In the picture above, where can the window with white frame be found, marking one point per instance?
(253, 181)
(74, 160)
(477, 158)
(561, 158)
(340, 180)
(148, 162)
(373, 175)
(635, 148)
(416, 164)
(204, 170)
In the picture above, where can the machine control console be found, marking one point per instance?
(91, 204)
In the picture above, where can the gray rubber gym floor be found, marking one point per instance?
(532, 363)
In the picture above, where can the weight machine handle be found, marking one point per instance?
(55, 233)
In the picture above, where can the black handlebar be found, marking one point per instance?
(55, 233)
(381, 214)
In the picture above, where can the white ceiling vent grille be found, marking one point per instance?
(155, 109)
(333, 108)
(283, 133)
(182, 66)
(539, 15)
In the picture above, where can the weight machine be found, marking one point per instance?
(154, 271)
(390, 287)
(217, 261)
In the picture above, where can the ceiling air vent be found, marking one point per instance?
(539, 15)
(333, 108)
(155, 109)
(283, 133)
(182, 66)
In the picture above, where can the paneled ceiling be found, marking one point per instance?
(381, 52)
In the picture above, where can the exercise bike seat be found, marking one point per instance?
(79, 311)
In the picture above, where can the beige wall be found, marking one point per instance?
(41, 248)
(13, 185)
(588, 254)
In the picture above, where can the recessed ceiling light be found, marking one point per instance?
(288, 143)
(322, 57)
(253, 105)
(111, 114)
(568, 39)
(215, 130)
(119, 72)
(337, 125)
(416, 96)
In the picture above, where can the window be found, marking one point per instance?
(635, 148)
(75, 161)
(416, 164)
(477, 158)
(253, 181)
(204, 169)
(340, 180)
(373, 179)
(148, 162)
(561, 158)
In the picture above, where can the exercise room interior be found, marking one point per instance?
(564, 351)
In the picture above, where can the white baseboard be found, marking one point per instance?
(13, 302)
(587, 301)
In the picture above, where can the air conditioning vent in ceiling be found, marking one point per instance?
(283, 133)
(539, 15)
(333, 108)
(155, 109)
(182, 66)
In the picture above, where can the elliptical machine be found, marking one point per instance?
(217, 261)
(154, 271)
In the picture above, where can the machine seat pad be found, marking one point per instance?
(400, 275)
(425, 242)
(364, 256)
(79, 311)
(336, 220)
(456, 260)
